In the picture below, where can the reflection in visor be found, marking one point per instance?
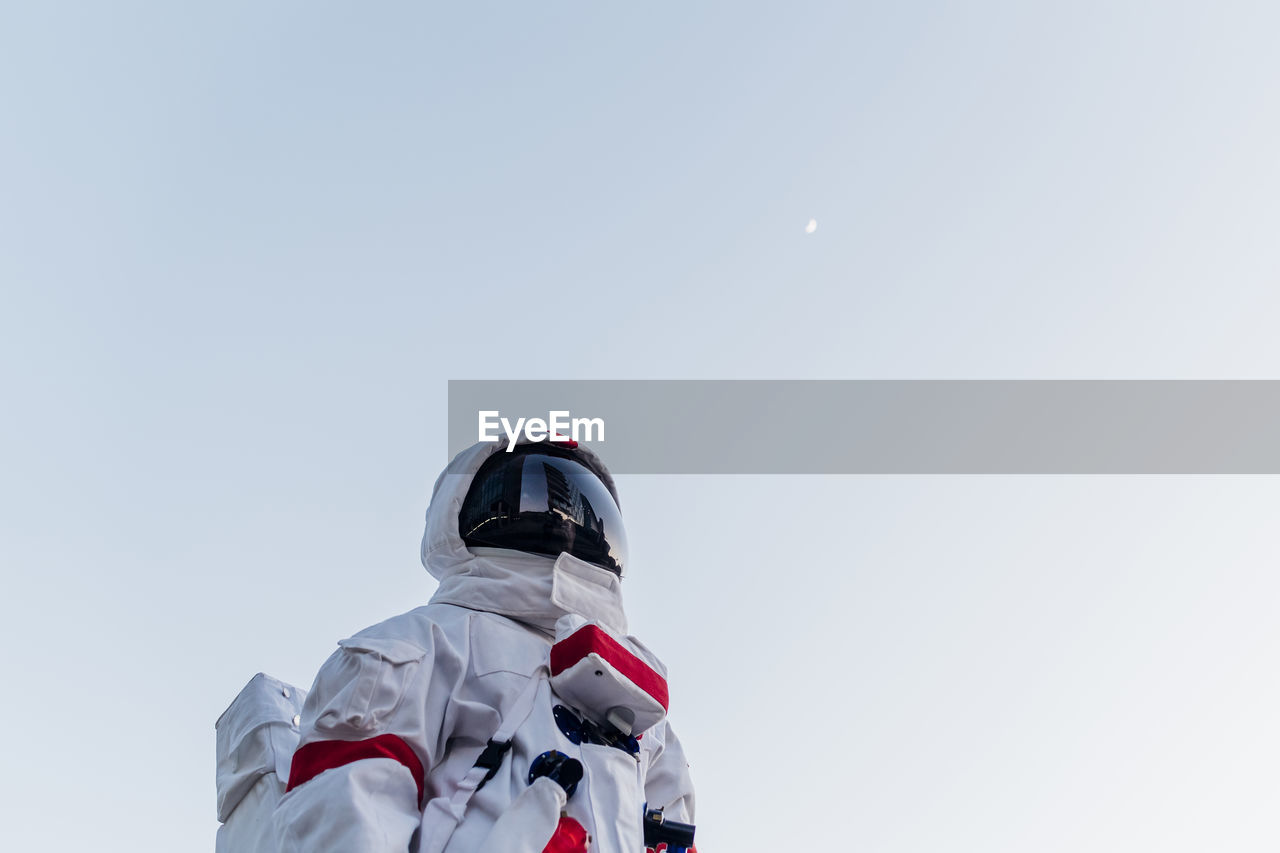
(544, 504)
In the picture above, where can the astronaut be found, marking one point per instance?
(512, 712)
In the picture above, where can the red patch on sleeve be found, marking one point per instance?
(570, 837)
(314, 758)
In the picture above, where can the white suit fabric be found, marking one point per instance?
(256, 737)
(442, 679)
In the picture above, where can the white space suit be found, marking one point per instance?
(398, 716)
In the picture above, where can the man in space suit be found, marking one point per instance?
(512, 712)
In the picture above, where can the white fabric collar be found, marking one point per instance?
(536, 590)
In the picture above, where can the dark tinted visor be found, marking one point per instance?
(544, 501)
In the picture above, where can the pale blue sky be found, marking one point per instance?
(244, 246)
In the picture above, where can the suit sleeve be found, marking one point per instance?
(356, 782)
(667, 784)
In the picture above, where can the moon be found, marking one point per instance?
(811, 227)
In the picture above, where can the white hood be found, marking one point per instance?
(530, 588)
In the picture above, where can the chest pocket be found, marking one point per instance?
(613, 778)
(497, 645)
